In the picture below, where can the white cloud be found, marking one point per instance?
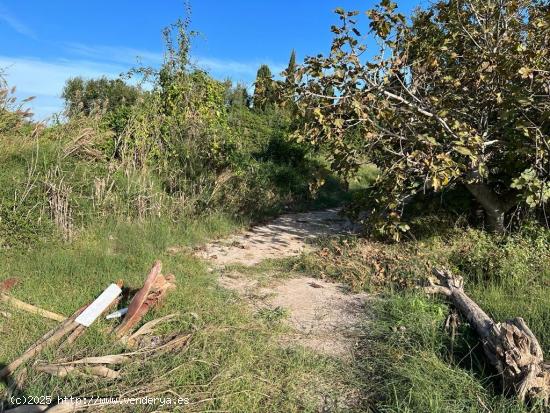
(238, 71)
(125, 55)
(219, 68)
(15, 23)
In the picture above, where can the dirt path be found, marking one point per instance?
(323, 315)
(286, 236)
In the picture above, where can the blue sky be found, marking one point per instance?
(46, 42)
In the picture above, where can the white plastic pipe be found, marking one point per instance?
(100, 304)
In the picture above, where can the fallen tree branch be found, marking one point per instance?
(62, 371)
(69, 327)
(30, 408)
(148, 328)
(510, 346)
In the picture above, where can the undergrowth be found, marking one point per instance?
(412, 359)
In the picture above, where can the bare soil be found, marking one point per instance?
(286, 236)
(323, 316)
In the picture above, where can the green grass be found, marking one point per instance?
(234, 358)
(408, 356)
(234, 361)
(124, 217)
(409, 361)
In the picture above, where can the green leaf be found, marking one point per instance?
(483, 171)
(463, 150)
(388, 5)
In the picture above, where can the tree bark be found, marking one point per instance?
(494, 206)
(511, 346)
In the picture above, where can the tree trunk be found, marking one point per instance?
(495, 207)
(510, 346)
(495, 220)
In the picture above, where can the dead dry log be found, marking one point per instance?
(7, 285)
(70, 327)
(510, 346)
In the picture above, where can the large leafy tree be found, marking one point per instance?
(458, 95)
(236, 95)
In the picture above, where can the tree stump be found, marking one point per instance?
(510, 346)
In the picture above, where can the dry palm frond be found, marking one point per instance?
(84, 145)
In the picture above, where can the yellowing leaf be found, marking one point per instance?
(463, 150)
(318, 113)
(525, 72)
(339, 123)
(483, 171)
(436, 183)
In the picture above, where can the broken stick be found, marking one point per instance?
(49, 338)
(151, 294)
(21, 305)
(73, 326)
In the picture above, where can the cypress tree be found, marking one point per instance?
(291, 69)
(263, 88)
